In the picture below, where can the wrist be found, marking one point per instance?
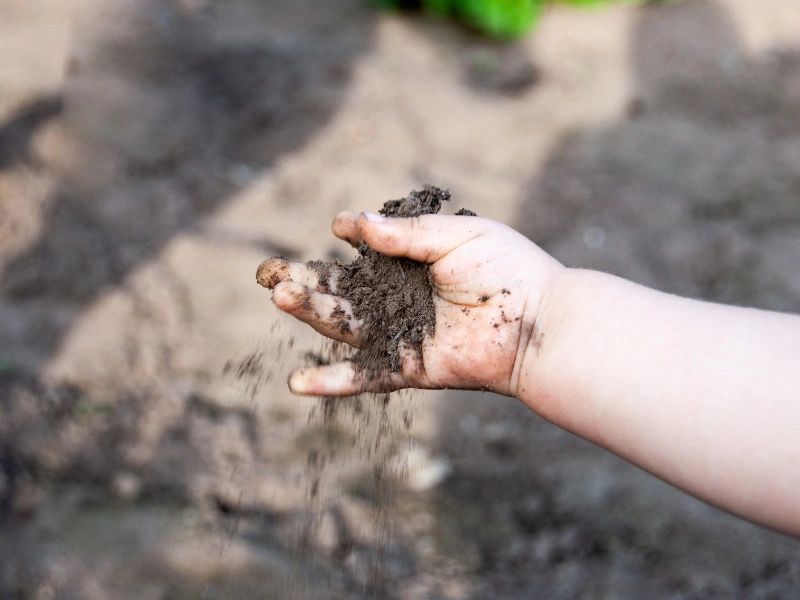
(545, 362)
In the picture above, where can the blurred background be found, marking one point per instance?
(153, 152)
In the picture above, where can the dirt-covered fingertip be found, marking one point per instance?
(345, 227)
(272, 271)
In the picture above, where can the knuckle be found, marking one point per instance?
(415, 228)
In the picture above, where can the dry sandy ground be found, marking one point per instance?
(153, 152)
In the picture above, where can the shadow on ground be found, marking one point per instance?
(168, 109)
(166, 112)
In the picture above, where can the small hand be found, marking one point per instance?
(489, 284)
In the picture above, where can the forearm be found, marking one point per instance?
(704, 396)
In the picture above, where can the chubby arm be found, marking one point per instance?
(705, 396)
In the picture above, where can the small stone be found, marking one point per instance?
(126, 486)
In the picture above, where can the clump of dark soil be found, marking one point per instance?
(427, 202)
(392, 297)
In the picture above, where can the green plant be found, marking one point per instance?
(505, 19)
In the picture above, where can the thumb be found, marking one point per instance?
(426, 238)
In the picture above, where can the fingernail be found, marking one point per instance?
(373, 218)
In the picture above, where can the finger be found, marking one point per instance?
(329, 315)
(341, 379)
(318, 275)
(426, 239)
(345, 227)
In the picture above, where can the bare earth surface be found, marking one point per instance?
(153, 152)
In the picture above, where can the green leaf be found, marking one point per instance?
(499, 18)
(502, 18)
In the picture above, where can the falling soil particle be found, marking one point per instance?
(465, 212)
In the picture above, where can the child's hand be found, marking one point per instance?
(489, 282)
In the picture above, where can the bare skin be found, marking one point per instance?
(703, 396)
